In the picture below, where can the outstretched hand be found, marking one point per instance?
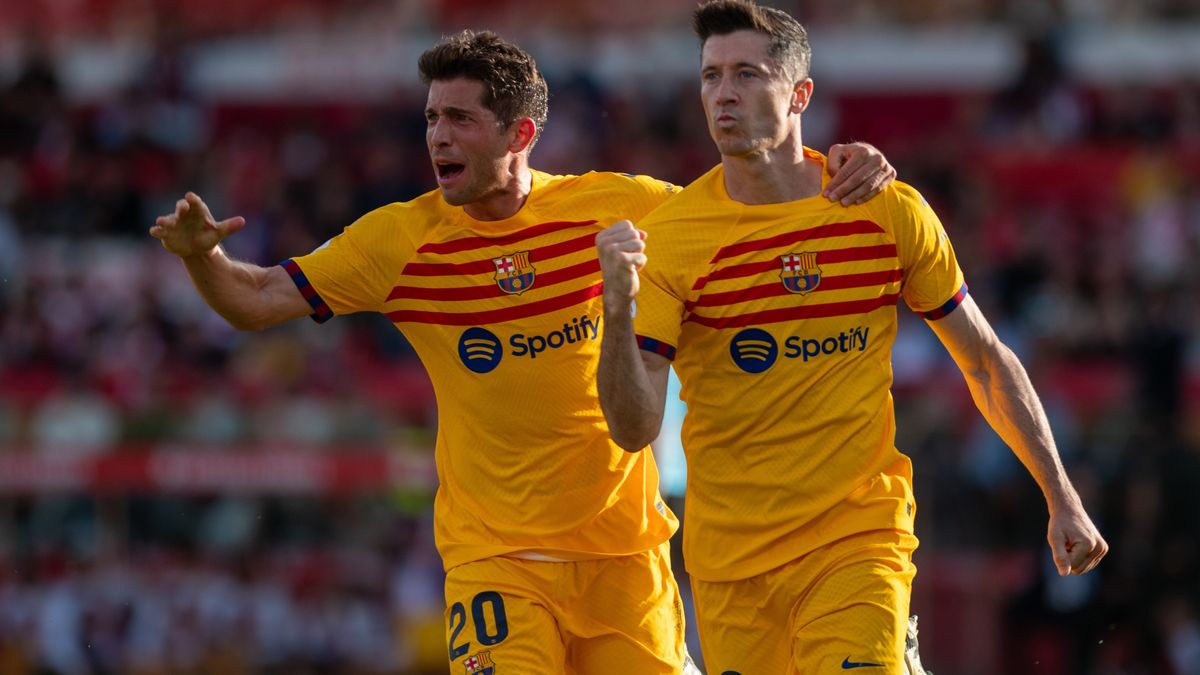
(858, 171)
(621, 251)
(1075, 542)
(191, 230)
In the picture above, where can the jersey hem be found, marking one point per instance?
(451, 561)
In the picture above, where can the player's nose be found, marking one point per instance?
(438, 134)
(726, 91)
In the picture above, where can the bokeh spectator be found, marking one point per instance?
(1073, 204)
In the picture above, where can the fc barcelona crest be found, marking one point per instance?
(514, 273)
(480, 664)
(800, 272)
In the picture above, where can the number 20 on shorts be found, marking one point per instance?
(485, 603)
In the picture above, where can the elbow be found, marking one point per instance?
(977, 376)
(246, 324)
(635, 439)
(992, 365)
(632, 418)
(631, 443)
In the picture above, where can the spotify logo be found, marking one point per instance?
(479, 350)
(753, 350)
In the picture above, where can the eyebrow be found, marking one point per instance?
(739, 64)
(450, 110)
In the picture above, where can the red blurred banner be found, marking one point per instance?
(205, 470)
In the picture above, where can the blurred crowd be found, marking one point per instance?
(1075, 212)
(225, 593)
(123, 17)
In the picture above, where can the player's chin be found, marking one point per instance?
(733, 146)
(455, 197)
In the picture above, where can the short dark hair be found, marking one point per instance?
(513, 87)
(788, 39)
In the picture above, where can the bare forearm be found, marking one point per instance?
(240, 292)
(632, 404)
(1004, 394)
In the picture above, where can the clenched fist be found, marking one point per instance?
(621, 249)
(1074, 541)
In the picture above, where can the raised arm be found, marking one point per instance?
(249, 297)
(1003, 393)
(632, 382)
(858, 171)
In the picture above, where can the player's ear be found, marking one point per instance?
(522, 131)
(801, 95)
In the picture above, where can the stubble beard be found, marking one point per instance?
(462, 196)
(737, 146)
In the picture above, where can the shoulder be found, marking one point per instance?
(703, 198)
(395, 229)
(429, 205)
(897, 208)
(648, 185)
(612, 182)
(688, 229)
(411, 215)
(603, 195)
(902, 196)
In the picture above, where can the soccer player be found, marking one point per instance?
(778, 310)
(554, 540)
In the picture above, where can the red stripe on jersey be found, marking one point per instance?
(796, 313)
(838, 255)
(492, 290)
(486, 265)
(837, 283)
(498, 315)
(820, 232)
(470, 243)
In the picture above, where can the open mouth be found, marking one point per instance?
(449, 170)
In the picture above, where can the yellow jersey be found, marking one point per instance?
(780, 319)
(506, 317)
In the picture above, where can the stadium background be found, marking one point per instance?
(176, 497)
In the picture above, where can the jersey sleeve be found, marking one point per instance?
(347, 274)
(933, 283)
(660, 303)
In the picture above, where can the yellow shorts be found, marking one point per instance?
(509, 615)
(839, 608)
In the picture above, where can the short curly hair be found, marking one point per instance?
(512, 84)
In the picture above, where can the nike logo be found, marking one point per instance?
(847, 664)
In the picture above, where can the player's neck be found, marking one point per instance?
(508, 197)
(781, 174)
